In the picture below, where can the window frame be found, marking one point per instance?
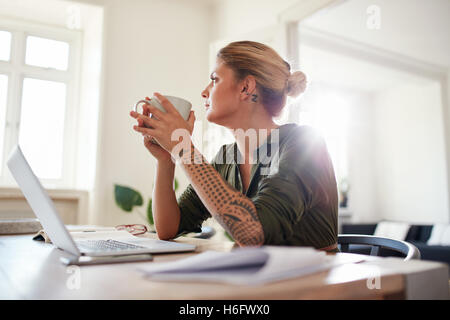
(16, 70)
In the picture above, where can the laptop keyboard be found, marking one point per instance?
(106, 245)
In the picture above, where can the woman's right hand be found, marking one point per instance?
(156, 150)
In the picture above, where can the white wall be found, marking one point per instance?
(86, 19)
(149, 46)
(396, 155)
(361, 159)
(390, 178)
(414, 28)
(163, 45)
(236, 17)
(411, 171)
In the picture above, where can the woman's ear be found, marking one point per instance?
(248, 87)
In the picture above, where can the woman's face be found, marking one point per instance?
(222, 96)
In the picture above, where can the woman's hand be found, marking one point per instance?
(164, 126)
(157, 151)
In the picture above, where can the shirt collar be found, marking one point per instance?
(267, 150)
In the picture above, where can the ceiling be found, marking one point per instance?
(414, 29)
(352, 73)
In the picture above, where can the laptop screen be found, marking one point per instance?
(40, 202)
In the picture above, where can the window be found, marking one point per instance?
(42, 119)
(47, 53)
(3, 90)
(5, 45)
(38, 81)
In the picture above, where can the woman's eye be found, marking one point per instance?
(213, 80)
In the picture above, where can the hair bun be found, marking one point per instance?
(296, 84)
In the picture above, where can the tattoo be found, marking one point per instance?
(254, 96)
(234, 211)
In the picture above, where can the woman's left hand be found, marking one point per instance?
(164, 126)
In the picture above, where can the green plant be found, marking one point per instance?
(228, 236)
(129, 199)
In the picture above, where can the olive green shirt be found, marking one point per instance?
(292, 186)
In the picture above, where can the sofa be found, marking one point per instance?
(417, 235)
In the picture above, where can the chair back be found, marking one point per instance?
(409, 250)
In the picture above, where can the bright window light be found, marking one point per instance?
(328, 112)
(47, 53)
(42, 126)
(3, 98)
(5, 45)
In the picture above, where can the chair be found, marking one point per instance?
(207, 233)
(409, 250)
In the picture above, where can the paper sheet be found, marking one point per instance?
(80, 232)
(102, 235)
(77, 228)
(246, 266)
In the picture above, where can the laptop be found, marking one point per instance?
(45, 210)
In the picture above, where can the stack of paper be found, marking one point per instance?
(249, 266)
(79, 232)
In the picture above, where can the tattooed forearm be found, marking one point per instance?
(233, 210)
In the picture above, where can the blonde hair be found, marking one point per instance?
(272, 73)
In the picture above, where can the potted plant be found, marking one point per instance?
(129, 199)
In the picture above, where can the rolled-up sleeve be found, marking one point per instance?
(192, 212)
(280, 206)
(282, 198)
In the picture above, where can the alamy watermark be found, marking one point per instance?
(73, 282)
(373, 21)
(262, 144)
(73, 19)
(374, 280)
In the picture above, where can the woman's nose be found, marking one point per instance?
(205, 93)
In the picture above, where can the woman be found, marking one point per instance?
(295, 204)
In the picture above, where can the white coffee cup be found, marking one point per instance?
(183, 106)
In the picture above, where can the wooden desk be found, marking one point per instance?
(32, 270)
